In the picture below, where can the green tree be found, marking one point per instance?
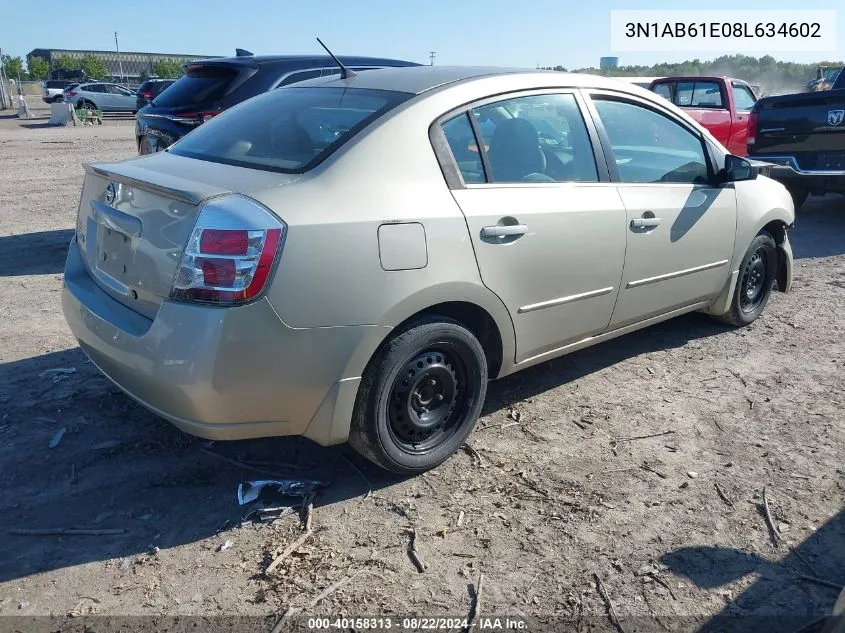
(167, 69)
(66, 61)
(94, 67)
(13, 67)
(38, 68)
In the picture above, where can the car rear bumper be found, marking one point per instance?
(785, 169)
(219, 373)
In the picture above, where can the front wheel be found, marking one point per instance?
(754, 287)
(420, 396)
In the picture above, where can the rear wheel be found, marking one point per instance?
(754, 287)
(420, 397)
(84, 104)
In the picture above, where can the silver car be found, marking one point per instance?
(101, 96)
(353, 258)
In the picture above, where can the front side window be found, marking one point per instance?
(287, 130)
(538, 138)
(743, 97)
(649, 147)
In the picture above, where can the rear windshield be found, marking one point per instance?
(288, 130)
(57, 83)
(202, 84)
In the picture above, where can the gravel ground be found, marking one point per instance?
(552, 495)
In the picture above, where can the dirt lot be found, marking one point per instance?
(557, 496)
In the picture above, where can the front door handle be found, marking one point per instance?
(504, 230)
(645, 223)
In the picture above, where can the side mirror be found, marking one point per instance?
(737, 169)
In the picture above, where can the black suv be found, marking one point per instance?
(210, 86)
(150, 89)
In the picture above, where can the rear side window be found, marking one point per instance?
(201, 84)
(289, 130)
(461, 139)
(699, 94)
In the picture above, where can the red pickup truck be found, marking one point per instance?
(720, 104)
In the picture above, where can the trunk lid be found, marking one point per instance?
(135, 218)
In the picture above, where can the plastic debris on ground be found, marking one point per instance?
(268, 496)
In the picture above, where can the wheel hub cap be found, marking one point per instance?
(423, 398)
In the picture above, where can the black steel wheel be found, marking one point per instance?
(754, 286)
(420, 396)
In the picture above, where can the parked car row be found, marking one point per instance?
(353, 257)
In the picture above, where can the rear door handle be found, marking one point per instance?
(645, 223)
(504, 230)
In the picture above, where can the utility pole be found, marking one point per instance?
(119, 61)
(4, 86)
(431, 56)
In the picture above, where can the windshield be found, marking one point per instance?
(288, 130)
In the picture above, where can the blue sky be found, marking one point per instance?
(497, 32)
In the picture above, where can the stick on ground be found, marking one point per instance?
(66, 532)
(821, 581)
(360, 474)
(473, 453)
(332, 588)
(290, 549)
(803, 560)
(776, 537)
(611, 612)
(723, 494)
(642, 437)
(235, 462)
(412, 551)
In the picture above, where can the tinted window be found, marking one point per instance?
(286, 130)
(200, 85)
(540, 138)
(650, 147)
(698, 94)
(459, 134)
(743, 97)
(94, 88)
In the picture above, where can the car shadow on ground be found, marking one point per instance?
(118, 467)
(782, 587)
(40, 253)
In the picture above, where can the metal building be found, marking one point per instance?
(134, 65)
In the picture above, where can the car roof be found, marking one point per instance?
(255, 61)
(419, 79)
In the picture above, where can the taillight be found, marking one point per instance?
(752, 129)
(230, 254)
(70, 94)
(147, 94)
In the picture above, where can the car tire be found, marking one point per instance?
(757, 274)
(58, 99)
(85, 104)
(420, 396)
